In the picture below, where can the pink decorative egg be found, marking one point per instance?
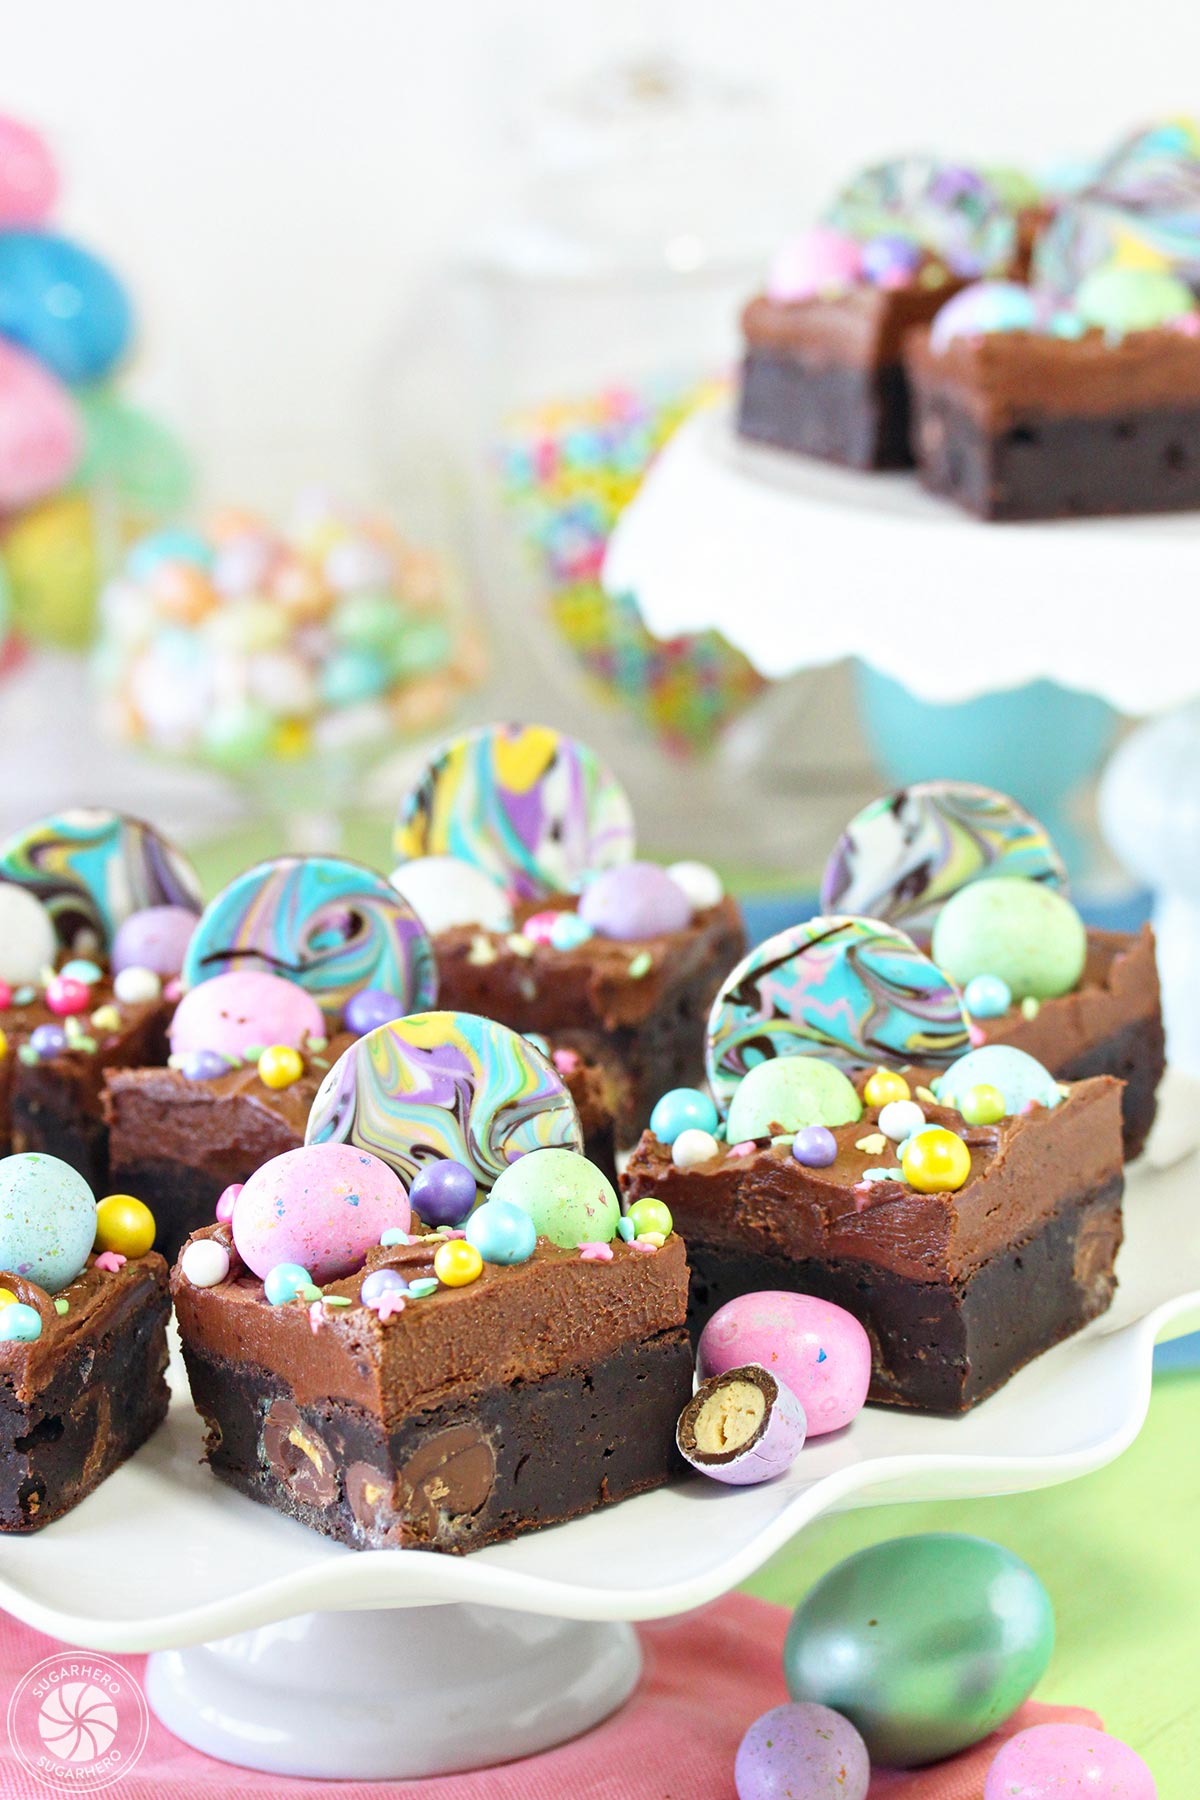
(323, 1206)
(818, 1350)
(244, 1010)
(40, 433)
(820, 261)
(28, 178)
(1068, 1762)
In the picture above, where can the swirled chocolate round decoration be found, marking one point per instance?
(332, 926)
(953, 212)
(444, 1085)
(534, 808)
(902, 857)
(92, 869)
(852, 991)
(1141, 209)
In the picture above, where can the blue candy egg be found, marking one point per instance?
(284, 1282)
(19, 1323)
(1021, 1078)
(987, 997)
(47, 1219)
(501, 1232)
(62, 304)
(175, 543)
(682, 1109)
(982, 308)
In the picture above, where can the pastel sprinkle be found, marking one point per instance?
(596, 1252)
(61, 1307)
(423, 1287)
(821, 1356)
(338, 1300)
(387, 1304)
(927, 1095)
(626, 1230)
(1030, 1007)
(519, 945)
(645, 1245)
(110, 1261)
(316, 1317)
(106, 1018)
(641, 965)
(873, 1143)
(745, 1148)
(482, 952)
(393, 1236)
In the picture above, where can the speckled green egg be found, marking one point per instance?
(569, 1199)
(1027, 934)
(1120, 300)
(787, 1094)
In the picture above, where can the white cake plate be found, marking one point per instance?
(404, 1663)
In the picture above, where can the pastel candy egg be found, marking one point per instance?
(446, 892)
(788, 1093)
(1067, 1762)
(818, 261)
(323, 1206)
(243, 1010)
(204, 1263)
(816, 1349)
(702, 885)
(63, 304)
(1026, 934)
(47, 1219)
(982, 308)
(682, 1109)
(927, 1644)
(28, 178)
(802, 1751)
(40, 431)
(634, 900)
(502, 1232)
(27, 940)
(1120, 300)
(987, 997)
(20, 1323)
(899, 1119)
(569, 1199)
(1019, 1077)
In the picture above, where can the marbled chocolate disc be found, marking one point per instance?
(902, 857)
(853, 991)
(444, 1084)
(92, 869)
(533, 807)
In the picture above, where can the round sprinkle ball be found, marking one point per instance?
(280, 1066)
(1067, 1762)
(27, 940)
(650, 1215)
(457, 1263)
(982, 1105)
(682, 1109)
(47, 1041)
(284, 1281)
(204, 1263)
(569, 931)
(203, 1065)
(135, 986)
(693, 1147)
(702, 885)
(786, 1093)
(802, 1750)
(1028, 935)
(444, 1193)
(899, 1119)
(817, 1349)
(20, 1323)
(322, 1206)
(66, 997)
(936, 1161)
(47, 1219)
(380, 1282)
(369, 1008)
(1019, 1077)
(155, 938)
(124, 1224)
(987, 997)
(446, 892)
(569, 1199)
(815, 1147)
(884, 1086)
(634, 900)
(501, 1232)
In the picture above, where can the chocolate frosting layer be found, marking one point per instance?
(864, 327)
(141, 1037)
(99, 1301)
(1003, 374)
(1119, 987)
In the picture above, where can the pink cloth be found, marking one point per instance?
(707, 1676)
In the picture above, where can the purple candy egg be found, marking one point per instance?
(802, 1751)
(1068, 1762)
(636, 900)
(363, 1012)
(444, 1193)
(742, 1427)
(155, 938)
(47, 1041)
(890, 261)
(203, 1065)
(815, 1147)
(379, 1282)
(818, 1350)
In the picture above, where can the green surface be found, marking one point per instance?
(1120, 1553)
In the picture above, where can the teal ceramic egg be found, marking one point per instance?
(47, 1219)
(789, 1093)
(926, 1644)
(1026, 934)
(569, 1199)
(1019, 1077)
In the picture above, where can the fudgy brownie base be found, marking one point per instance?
(1138, 1057)
(79, 1400)
(838, 411)
(943, 1348)
(470, 1472)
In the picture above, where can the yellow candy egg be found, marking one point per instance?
(936, 1161)
(884, 1086)
(7, 1297)
(457, 1263)
(279, 1066)
(983, 1105)
(125, 1225)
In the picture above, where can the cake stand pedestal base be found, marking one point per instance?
(423, 1690)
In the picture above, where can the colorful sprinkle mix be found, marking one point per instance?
(641, 965)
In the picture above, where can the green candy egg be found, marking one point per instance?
(1119, 300)
(926, 1644)
(1027, 934)
(789, 1093)
(569, 1199)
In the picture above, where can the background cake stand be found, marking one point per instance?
(280, 1650)
(801, 564)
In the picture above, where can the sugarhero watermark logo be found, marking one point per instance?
(78, 1722)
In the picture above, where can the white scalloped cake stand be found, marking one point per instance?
(403, 1663)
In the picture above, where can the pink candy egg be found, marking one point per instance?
(323, 1206)
(820, 261)
(1068, 1762)
(818, 1350)
(40, 433)
(244, 1010)
(28, 178)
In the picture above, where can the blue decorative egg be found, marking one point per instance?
(1021, 1078)
(62, 304)
(501, 1232)
(47, 1219)
(982, 308)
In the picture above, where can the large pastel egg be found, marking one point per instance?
(635, 900)
(323, 1207)
(28, 178)
(818, 1350)
(789, 1093)
(802, 1752)
(155, 938)
(1028, 935)
(47, 1219)
(446, 892)
(820, 261)
(244, 1010)
(41, 435)
(927, 1644)
(1068, 1762)
(1020, 1078)
(27, 937)
(569, 1199)
(1120, 300)
(63, 304)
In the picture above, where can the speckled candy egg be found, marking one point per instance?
(817, 261)
(1019, 1077)
(802, 1752)
(1028, 935)
(818, 1350)
(47, 1219)
(244, 1010)
(155, 938)
(635, 900)
(1068, 1762)
(927, 1644)
(446, 892)
(788, 1093)
(27, 940)
(569, 1199)
(323, 1206)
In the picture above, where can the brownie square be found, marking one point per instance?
(539, 1392)
(957, 1291)
(81, 1398)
